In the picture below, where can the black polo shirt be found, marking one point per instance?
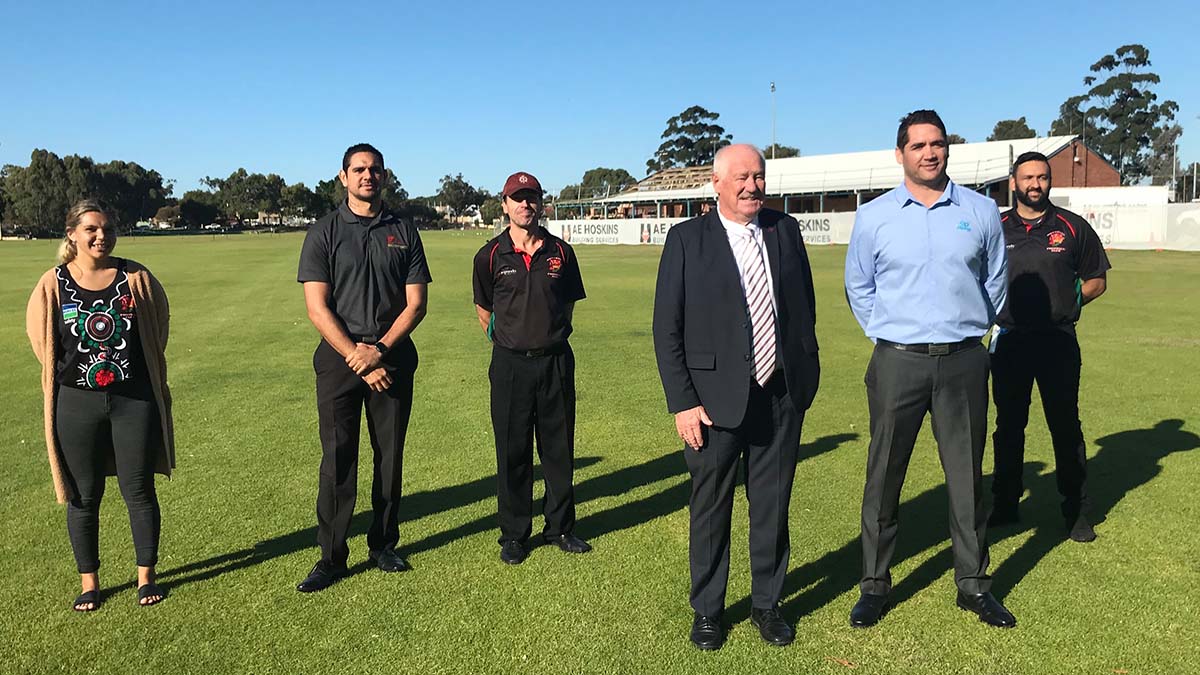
(368, 262)
(1046, 262)
(528, 295)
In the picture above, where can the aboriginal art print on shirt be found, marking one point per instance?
(98, 331)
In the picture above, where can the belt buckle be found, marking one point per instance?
(939, 350)
(535, 352)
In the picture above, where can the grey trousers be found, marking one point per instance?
(901, 388)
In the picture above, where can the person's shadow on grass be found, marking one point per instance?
(1126, 460)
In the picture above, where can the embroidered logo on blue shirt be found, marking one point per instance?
(964, 226)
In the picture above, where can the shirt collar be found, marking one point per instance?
(348, 215)
(507, 245)
(904, 197)
(737, 229)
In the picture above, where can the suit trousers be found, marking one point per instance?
(341, 395)
(1052, 359)
(901, 388)
(767, 442)
(533, 396)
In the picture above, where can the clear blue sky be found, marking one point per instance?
(485, 89)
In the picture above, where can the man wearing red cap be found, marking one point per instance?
(526, 282)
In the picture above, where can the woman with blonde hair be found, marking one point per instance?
(99, 325)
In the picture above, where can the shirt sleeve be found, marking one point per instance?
(860, 271)
(314, 255)
(418, 267)
(1091, 262)
(995, 269)
(573, 278)
(482, 281)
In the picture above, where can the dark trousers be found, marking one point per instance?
(90, 424)
(901, 388)
(533, 396)
(341, 395)
(767, 442)
(1052, 359)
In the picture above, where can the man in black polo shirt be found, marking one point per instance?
(526, 283)
(1056, 264)
(364, 276)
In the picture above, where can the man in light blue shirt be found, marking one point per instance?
(925, 276)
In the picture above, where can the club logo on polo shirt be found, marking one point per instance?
(1055, 239)
(964, 226)
(555, 264)
(505, 271)
(394, 242)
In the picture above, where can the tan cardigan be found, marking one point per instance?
(153, 319)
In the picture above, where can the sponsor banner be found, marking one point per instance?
(613, 231)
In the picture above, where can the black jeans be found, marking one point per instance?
(533, 395)
(1051, 358)
(90, 424)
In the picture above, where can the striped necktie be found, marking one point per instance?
(757, 286)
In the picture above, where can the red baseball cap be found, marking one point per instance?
(520, 181)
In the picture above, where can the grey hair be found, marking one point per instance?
(721, 157)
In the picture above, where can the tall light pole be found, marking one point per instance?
(773, 144)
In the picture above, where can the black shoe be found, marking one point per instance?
(569, 543)
(1004, 514)
(869, 609)
(513, 552)
(988, 609)
(772, 627)
(322, 576)
(389, 561)
(1080, 529)
(707, 633)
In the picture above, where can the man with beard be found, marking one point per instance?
(526, 282)
(925, 276)
(735, 339)
(364, 276)
(1056, 264)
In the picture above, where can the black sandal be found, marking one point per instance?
(149, 590)
(90, 598)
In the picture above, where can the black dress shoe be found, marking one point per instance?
(988, 609)
(1080, 529)
(707, 633)
(869, 609)
(1004, 514)
(322, 576)
(772, 627)
(389, 561)
(513, 552)
(569, 543)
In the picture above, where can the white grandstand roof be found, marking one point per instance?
(971, 164)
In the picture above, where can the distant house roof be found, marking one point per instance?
(971, 164)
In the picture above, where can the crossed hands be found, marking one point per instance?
(364, 361)
(690, 423)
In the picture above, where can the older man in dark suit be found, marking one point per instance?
(734, 334)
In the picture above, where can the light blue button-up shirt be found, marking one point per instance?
(918, 275)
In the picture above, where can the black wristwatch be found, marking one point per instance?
(382, 348)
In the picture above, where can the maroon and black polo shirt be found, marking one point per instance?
(528, 293)
(1048, 259)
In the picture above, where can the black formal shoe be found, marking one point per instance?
(1080, 529)
(1004, 514)
(389, 561)
(988, 609)
(322, 576)
(707, 633)
(569, 543)
(869, 609)
(772, 627)
(513, 552)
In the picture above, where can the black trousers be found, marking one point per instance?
(533, 396)
(341, 395)
(89, 425)
(1052, 359)
(767, 442)
(901, 388)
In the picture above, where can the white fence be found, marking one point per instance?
(1173, 227)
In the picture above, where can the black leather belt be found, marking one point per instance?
(544, 351)
(933, 348)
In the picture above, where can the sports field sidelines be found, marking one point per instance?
(239, 527)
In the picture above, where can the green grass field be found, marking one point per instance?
(239, 521)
